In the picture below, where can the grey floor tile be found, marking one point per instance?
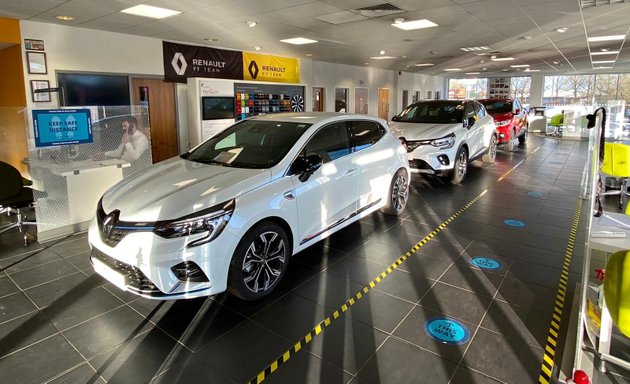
(7, 286)
(475, 280)
(420, 367)
(527, 296)
(65, 289)
(518, 324)
(43, 274)
(457, 303)
(14, 305)
(519, 363)
(380, 310)
(309, 369)
(27, 365)
(405, 285)
(23, 331)
(80, 261)
(81, 374)
(466, 376)
(413, 331)
(22, 262)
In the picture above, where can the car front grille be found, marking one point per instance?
(419, 164)
(135, 280)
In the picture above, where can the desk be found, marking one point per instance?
(73, 188)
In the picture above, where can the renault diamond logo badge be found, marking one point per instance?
(179, 63)
(253, 69)
(109, 222)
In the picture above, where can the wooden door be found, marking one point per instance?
(318, 99)
(383, 103)
(159, 98)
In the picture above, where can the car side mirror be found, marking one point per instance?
(306, 166)
(470, 122)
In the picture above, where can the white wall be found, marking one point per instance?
(413, 82)
(79, 49)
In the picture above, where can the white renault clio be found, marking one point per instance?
(231, 212)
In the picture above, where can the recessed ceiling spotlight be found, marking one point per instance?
(403, 56)
(555, 62)
(505, 69)
(381, 52)
(299, 41)
(607, 38)
(484, 68)
(562, 29)
(252, 23)
(414, 24)
(525, 37)
(309, 55)
(64, 18)
(606, 52)
(493, 56)
(503, 59)
(366, 63)
(211, 39)
(423, 64)
(150, 11)
(258, 47)
(433, 53)
(399, 20)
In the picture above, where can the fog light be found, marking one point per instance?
(189, 271)
(443, 159)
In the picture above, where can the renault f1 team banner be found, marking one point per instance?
(270, 68)
(183, 61)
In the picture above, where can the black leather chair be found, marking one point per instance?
(14, 197)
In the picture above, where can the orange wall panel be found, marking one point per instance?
(9, 31)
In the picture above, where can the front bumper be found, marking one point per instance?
(140, 262)
(431, 161)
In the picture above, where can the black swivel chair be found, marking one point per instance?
(14, 196)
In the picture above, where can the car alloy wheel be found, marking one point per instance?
(264, 261)
(259, 261)
(461, 165)
(491, 155)
(400, 193)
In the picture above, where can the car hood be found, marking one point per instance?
(178, 187)
(418, 131)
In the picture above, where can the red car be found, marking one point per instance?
(510, 119)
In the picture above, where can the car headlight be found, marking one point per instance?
(444, 142)
(211, 221)
(410, 146)
(502, 123)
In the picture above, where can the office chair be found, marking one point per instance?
(617, 165)
(14, 197)
(557, 122)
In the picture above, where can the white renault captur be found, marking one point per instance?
(231, 212)
(443, 136)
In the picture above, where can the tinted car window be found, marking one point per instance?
(432, 112)
(479, 110)
(365, 134)
(469, 111)
(497, 106)
(330, 142)
(249, 144)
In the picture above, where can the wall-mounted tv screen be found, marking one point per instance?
(83, 89)
(62, 127)
(217, 107)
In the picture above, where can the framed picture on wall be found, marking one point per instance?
(40, 96)
(36, 63)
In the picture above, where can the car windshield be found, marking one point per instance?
(438, 112)
(249, 144)
(497, 106)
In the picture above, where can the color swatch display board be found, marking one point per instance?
(499, 87)
(256, 99)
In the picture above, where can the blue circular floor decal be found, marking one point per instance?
(485, 263)
(536, 194)
(447, 331)
(515, 223)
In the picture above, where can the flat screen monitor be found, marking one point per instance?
(83, 89)
(217, 107)
(62, 127)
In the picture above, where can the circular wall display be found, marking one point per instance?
(485, 263)
(447, 331)
(297, 103)
(515, 223)
(536, 194)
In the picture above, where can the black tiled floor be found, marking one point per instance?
(83, 330)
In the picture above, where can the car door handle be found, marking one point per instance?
(350, 171)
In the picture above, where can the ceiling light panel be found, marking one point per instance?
(604, 62)
(604, 53)
(415, 24)
(520, 66)
(606, 38)
(452, 69)
(150, 11)
(423, 64)
(299, 41)
(502, 59)
(382, 57)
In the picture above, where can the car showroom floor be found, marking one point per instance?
(61, 323)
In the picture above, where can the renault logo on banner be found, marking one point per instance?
(179, 63)
(253, 69)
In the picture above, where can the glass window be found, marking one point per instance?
(571, 89)
(497, 106)
(330, 142)
(341, 100)
(605, 88)
(520, 88)
(479, 110)
(365, 134)
(468, 88)
(249, 144)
